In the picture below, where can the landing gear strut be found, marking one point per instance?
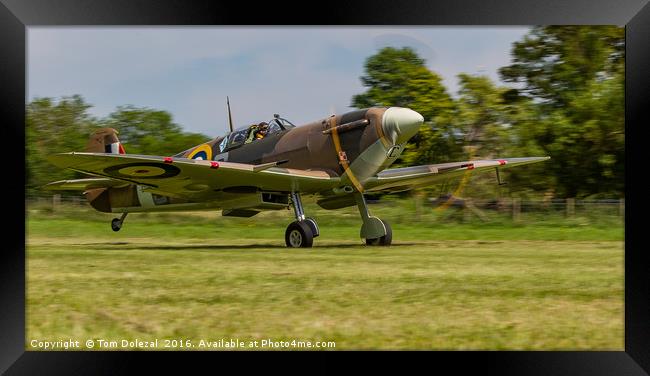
(376, 231)
(116, 223)
(301, 233)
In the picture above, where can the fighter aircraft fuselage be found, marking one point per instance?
(331, 144)
(353, 146)
(336, 159)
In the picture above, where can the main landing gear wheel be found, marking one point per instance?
(299, 235)
(116, 223)
(385, 240)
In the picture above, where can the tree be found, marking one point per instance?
(64, 126)
(149, 131)
(482, 115)
(399, 77)
(556, 62)
(574, 76)
(54, 128)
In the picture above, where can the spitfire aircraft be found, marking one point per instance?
(335, 160)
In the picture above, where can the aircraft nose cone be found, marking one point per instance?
(400, 124)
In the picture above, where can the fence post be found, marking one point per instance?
(570, 207)
(56, 201)
(418, 204)
(516, 209)
(477, 212)
(621, 207)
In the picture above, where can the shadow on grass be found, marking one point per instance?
(181, 247)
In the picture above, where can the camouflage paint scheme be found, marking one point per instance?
(335, 160)
(304, 148)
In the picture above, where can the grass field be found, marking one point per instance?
(546, 283)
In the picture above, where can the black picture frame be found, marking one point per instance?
(17, 15)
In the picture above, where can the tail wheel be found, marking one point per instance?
(299, 235)
(385, 240)
(116, 224)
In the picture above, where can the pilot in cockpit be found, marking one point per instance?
(257, 131)
(263, 129)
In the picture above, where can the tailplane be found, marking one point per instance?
(105, 140)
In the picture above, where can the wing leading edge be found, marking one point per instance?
(398, 179)
(199, 179)
(192, 178)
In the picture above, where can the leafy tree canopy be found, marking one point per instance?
(65, 125)
(575, 76)
(399, 77)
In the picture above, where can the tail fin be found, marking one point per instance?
(105, 140)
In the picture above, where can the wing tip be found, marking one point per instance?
(53, 186)
(526, 159)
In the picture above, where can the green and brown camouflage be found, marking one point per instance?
(335, 160)
(361, 142)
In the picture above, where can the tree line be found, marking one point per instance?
(63, 126)
(564, 98)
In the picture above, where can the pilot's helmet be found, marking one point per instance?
(264, 126)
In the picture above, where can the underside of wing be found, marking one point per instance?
(402, 179)
(193, 178)
(83, 184)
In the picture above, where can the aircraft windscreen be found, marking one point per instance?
(279, 124)
(223, 143)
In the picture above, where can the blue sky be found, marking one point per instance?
(303, 73)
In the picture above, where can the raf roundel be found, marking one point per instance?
(203, 152)
(143, 170)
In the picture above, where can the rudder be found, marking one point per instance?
(104, 140)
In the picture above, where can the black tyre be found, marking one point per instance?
(385, 240)
(299, 235)
(116, 224)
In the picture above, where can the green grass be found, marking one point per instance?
(445, 284)
(69, 221)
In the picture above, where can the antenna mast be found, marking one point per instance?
(229, 114)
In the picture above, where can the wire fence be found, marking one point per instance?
(55, 200)
(478, 207)
(519, 209)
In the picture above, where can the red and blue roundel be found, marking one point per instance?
(203, 152)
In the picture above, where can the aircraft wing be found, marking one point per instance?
(193, 179)
(401, 179)
(83, 184)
